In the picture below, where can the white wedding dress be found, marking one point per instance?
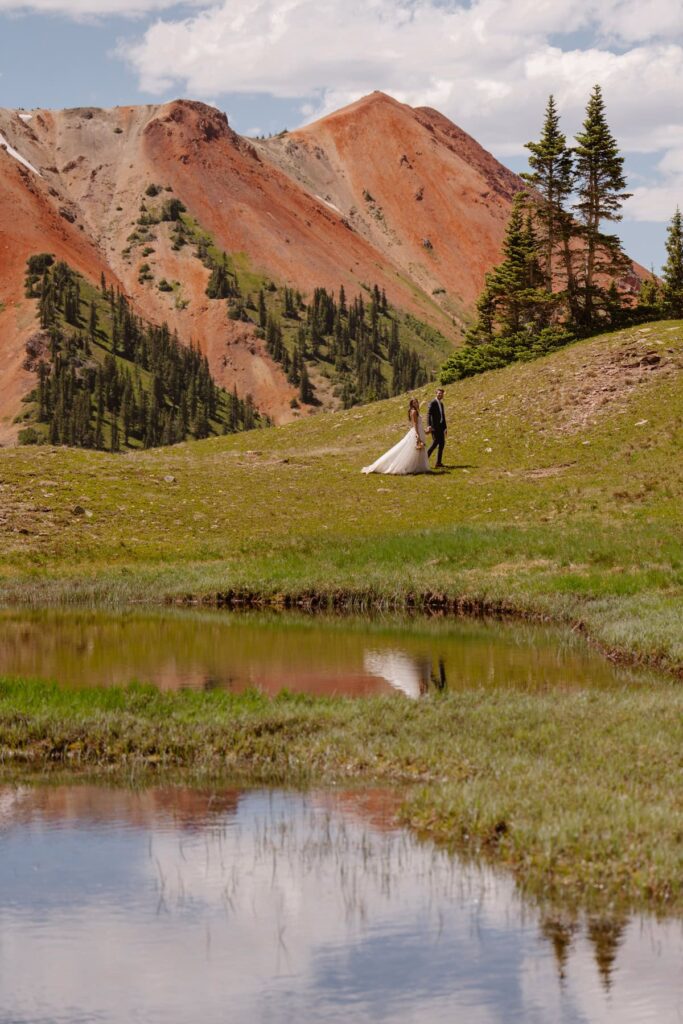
(405, 457)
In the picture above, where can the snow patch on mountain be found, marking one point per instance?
(328, 203)
(4, 144)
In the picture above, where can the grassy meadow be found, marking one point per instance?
(561, 499)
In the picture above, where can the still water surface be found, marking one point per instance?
(268, 907)
(314, 654)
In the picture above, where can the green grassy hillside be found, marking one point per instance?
(562, 498)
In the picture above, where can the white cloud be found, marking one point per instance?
(657, 201)
(93, 8)
(487, 64)
(478, 60)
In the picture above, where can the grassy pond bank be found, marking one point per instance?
(522, 746)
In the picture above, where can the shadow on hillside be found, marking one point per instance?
(448, 468)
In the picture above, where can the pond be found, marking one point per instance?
(266, 907)
(317, 654)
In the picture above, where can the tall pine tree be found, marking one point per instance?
(600, 184)
(515, 300)
(552, 181)
(673, 268)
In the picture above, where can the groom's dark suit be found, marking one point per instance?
(437, 421)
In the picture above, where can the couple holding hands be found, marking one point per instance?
(411, 455)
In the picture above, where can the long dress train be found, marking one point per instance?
(405, 457)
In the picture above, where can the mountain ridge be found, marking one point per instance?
(375, 194)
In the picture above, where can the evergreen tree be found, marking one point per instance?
(99, 428)
(115, 445)
(218, 286)
(600, 184)
(649, 300)
(47, 303)
(248, 414)
(305, 387)
(673, 268)
(552, 181)
(92, 322)
(294, 375)
(515, 299)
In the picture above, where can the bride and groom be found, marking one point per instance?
(411, 455)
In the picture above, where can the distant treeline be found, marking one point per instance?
(359, 340)
(109, 379)
(356, 345)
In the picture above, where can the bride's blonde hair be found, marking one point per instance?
(413, 404)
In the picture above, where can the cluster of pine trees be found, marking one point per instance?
(224, 283)
(562, 275)
(358, 339)
(141, 386)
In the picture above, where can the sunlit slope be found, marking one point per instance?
(563, 496)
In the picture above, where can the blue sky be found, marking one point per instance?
(487, 64)
(47, 60)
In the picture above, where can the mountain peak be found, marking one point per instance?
(199, 118)
(372, 104)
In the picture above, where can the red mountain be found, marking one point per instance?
(375, 193)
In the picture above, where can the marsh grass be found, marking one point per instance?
(577, 793)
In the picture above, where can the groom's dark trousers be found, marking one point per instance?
(437, 421)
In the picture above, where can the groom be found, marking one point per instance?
(437, 426)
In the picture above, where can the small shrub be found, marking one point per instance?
(152, 190)
(171, 209)
(29, 435)
(473, 359)
(164, 286)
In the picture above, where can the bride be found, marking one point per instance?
(410, 454)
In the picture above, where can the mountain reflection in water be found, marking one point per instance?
(312, 654)
(263, 906)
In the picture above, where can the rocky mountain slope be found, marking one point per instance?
(418, 188)
(377, 193)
